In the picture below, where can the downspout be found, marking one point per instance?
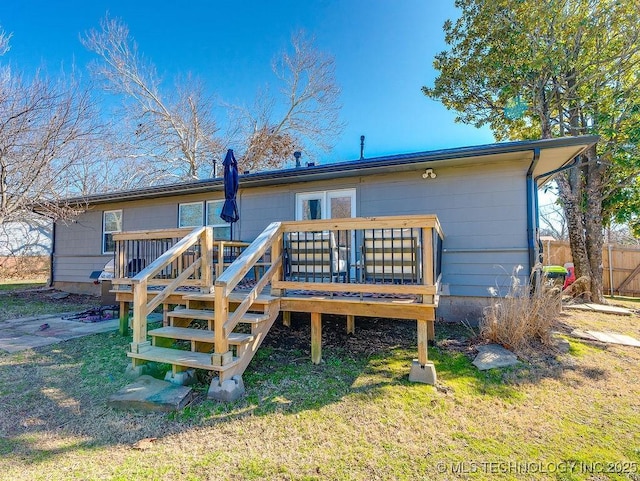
(610, 270)
(532, 211)
(53, 251)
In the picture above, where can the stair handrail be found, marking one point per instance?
(224, 285)
(247, 259)
(141, 307)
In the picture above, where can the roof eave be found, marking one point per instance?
(340, 169)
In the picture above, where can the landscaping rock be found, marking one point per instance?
(492, 356)
(560, 343)
(59, 295)
(151, 394)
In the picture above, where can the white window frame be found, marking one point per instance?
(106, 232)
(180, 206)
(222, 223)
(325, 197)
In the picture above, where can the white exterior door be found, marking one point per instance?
(331, 204)
(326, 204)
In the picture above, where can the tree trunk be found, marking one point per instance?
(594, 238)
(570, 190)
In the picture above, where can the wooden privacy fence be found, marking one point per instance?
(620, 269)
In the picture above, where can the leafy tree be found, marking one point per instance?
(553, 68)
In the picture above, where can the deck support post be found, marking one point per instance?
(316, 337)
(206, 265)
(276, 253)
(286, 318)
(351, 324)
(222, 355)
(421, 369)
(165, 314)
(139, 340)
(124, 318)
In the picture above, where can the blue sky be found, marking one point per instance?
(383, 50)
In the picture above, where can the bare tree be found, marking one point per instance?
(169, 135)
(305, 115)
(553, 222)
(46, 127)
(174, 135)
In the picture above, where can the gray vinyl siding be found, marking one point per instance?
(260, 207)
(482, 209)
(78, 248)
(483, 215)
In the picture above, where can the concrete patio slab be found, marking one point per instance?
(621, 311)
(614, 338)
(27, 333)
(22, 342)
(581, 334)
(606, 337)
(150, 394)
(492, 356)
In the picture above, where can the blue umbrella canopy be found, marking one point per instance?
(229, 211)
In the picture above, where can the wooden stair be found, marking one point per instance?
(208, 315)
(178, 357)
(198, 335)
(199, 306)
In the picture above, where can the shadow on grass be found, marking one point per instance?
(59, 393)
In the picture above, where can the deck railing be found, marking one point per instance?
(135, 250)
(379, 255)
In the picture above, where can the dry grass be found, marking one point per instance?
(353, 417)
(522, 319)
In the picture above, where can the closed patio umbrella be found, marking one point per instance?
(229, 211)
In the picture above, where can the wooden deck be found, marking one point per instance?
(239, 298)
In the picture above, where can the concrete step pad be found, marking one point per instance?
(603, 308)
(606, 337)
(150, 394)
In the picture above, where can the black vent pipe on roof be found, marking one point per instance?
(297, 154)
(362, 147)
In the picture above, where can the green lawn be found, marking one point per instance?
(355, 416)
(7, 286)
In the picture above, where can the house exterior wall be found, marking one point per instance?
(482, 209)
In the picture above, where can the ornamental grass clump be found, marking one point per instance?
(524, 317)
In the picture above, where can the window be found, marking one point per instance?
(221, 229)
(111, 223)
(329, 204)
(191, 214)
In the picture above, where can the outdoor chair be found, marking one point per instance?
(391, 256)
(314, 257)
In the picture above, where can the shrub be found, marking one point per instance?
(523, 317)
